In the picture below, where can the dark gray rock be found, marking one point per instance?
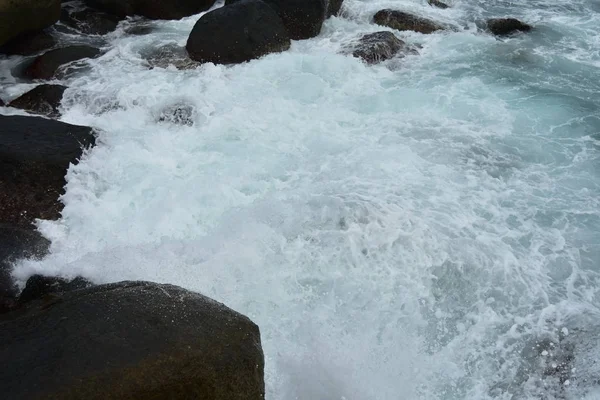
(438, 4)
(153, 9)
(90, 22)
(43, 99)
(302, 18)
(130, 340)
(29, 43)
(23, 16)
(35, 154)
(38, 286)
(405, 22)
(377, 47)
(333, 8)
(507, 26)
(47, 65)
(236, 33)
(16, 243)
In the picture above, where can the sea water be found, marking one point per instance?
(425, 228)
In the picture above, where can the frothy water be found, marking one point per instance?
(427, 228)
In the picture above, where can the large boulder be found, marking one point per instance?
(153, 9)
(302, 18)
(377, 47)
(43, 99)
(236, 33)
(403, 21)
(29, 43)
(506, 26)
(47, 65)
(35, 154)
(130, 340)
(16, 243)
(21, 16)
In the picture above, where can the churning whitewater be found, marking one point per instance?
(425, 228)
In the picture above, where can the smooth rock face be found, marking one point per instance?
(237, 33)
(302, 18)
(47, 65)
(506, 26)
(43, 99)
(377, 47)
(21, 16)
(16, 243)
(153, 9)
(29, 43)
(405, 21)
(130, 340)
(333, 8)
(35, 154)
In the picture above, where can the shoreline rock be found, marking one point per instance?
(24, 16)
(35, 154)
(153, 9)
(130, 340)
(377, 47)
(48, 64)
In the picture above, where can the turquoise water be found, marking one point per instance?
(422, 229)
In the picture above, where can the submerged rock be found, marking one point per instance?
(153, 9)
(236, 33)
(178, 114)
(29, 43)
(506, 26)
(23, 16)
(16, 243)
(130, 340)
(90, 22)
(169, 55)
(38, 286)
(303, 19)
(47, 65)
(43, 99)
(377, 47)
(35, 154)
(403, 21)
(438, 4)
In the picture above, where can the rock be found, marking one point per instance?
(405, 21)
(236, 33)
(377, 47)
(506, 26)
(130, 340)
(178, 114)
(47, 65)
(35, 154)
(22, 16)
(333, 8)
(302, 18)
(38, 286)
(139, 30)
(438, 4)
(90, 22)
(169, 55)
(43, 99)
(16, 243)
(1, 103)
(28, 44)
(153, 9)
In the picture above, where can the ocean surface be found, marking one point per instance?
(425, 228)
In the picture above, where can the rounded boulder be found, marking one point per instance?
(240, 32)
